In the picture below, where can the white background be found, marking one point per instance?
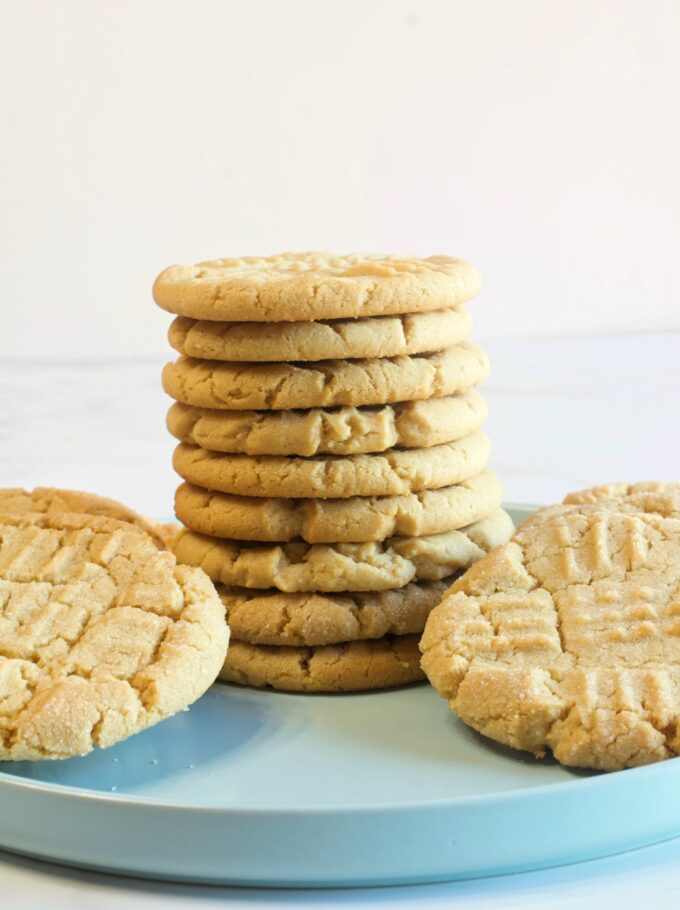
(538, 139)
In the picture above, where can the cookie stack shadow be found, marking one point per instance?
(333, 461)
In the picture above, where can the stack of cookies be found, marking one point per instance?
(334, 469)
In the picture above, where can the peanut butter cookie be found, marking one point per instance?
(286, 386)
(310, 286)
(568, 638)
(275, 618)
(351, 667)
(389, 473)
(101, 634)
(354, 520)
(338, 431)
(377, 566)
(340, 339)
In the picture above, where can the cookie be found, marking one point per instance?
(102, 633)
(332, 568)
(654, 497)
(390, 473)
(309, 286)
(342, 431)
(275, 618)
(285, 386)
(351, 667)
(651, 496)
(342, 339)
(52, 501)
(568, 638)
(354, 520)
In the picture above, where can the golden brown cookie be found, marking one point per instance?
(341, 339)
(338, 431)
(658, 497)
(568, 638)
(653, 497)
(306, 286)
(102, 633)
(354, 520)
(351, 667)
(275, 618)
(52, 501)
(298, 566)
(284, 386)
(390, 473)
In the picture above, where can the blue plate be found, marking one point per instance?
(263, 788)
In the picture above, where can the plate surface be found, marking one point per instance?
(263, 788)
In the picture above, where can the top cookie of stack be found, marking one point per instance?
(333, 463)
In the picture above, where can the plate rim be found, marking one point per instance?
(87, 794)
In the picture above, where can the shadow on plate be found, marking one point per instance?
(506, 753)
(220, 725)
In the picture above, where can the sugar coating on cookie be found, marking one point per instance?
(102, 634)
(336, 431)
(54, 501)
(284, 386)
(348, 667)
(375, 566)
(568, 638)
(311, 286)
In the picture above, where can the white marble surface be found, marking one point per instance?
(648, 878)
(565, 413)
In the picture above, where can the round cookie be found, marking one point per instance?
(298, 566)
(343, 339)
(53, 501)
(275, 618)
(654, 497)
(568, 638)
(311, 286)
(658, 497)
(287, 386)
(354, 520)
(351, 667)
(390, 473)
(342, 431)
(103, 634)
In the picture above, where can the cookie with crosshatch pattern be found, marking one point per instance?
(655, 496)
(568, 637)
(53, 501)
(102, 634)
